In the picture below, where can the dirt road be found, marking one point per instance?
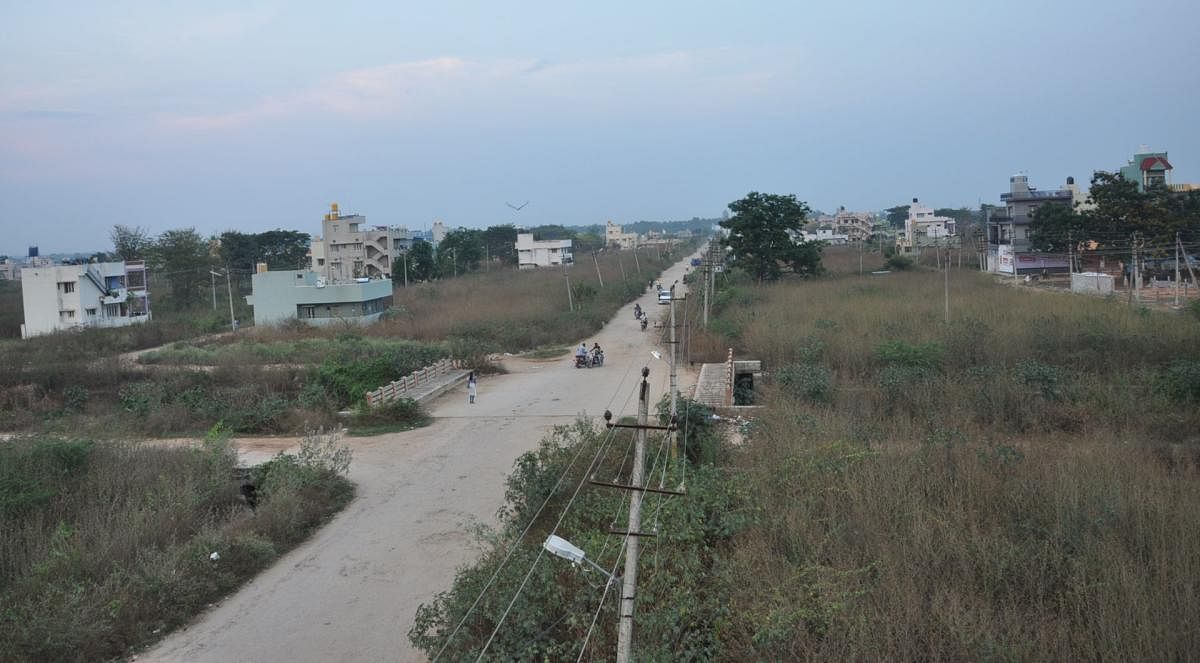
(350, 593)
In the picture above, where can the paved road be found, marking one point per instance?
(350, 593)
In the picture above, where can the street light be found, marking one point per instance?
(560, 547)
(229, 288)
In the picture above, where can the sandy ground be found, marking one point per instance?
(350, 593)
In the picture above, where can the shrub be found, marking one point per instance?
(811, 382)
(1180, 381)
(899, 263)
(912, 355)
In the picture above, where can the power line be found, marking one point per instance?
(529, 525)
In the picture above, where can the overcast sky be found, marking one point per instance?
(253, 115)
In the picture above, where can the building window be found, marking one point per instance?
(320, 262)
(66, 286)
(68, 314)
(91, 312)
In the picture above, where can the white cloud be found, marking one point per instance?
(430, 88)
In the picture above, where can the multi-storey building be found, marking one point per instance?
(348, 248)
(1008, 226)
(533, 253)
(1148, 169)
(302, 295)
(98, 294)
(924, 228)
(614, 236)
(856, 226)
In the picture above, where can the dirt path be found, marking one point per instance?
(350, 593)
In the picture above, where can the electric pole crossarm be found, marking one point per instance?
(643, 489)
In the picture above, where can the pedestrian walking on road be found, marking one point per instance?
(472, 388)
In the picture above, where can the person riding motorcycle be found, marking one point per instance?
(637, 311)
(581, 355)
(597, 355)
(645, 320)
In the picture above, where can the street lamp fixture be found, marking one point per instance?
(560, 547)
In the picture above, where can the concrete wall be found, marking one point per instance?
(282, 295)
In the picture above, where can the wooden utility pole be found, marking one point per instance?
(405, 254)
(674, 361)
(637, 262)
(1179, 246)
(860, 257)
(622, 266)
(1176, 270)
(229, 288)
(596, 262)
(570, 297)
(629, 586)
(946, 282)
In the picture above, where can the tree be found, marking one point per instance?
(239, 250)
(183, 256)
(501, 243)
(283, 249)
(763, 232)
(421, 266)
(1054, 226)
(896, 216)
(130, 242)
(460, 251)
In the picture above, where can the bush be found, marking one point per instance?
(400, 414)
(811, 382)
(1180, 381)
(899, 263)
(926, 356)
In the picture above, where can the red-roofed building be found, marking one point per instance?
(1148, 169)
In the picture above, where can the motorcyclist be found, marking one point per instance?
(581, 352)
(645, 321)
(637, 311)
(597, 355)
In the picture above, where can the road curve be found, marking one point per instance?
(351, 591)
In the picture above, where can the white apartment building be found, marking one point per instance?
(615, 236)
(99, 294)
(924, 228)
(348, 248)
(542, 253)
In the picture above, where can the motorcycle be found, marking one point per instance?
(581, 361)
(598, 358)
(645, 321)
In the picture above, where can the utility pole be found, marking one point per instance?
(674, 361)
(637, 262)
(1137, 272)
(213, 277)
(570, 298)
(707, 269)
(946, 282)
(454, 259)
(622, 266)
(229, 287)
(629, 587)
(1176, 270)
(405, 254)
(596, 262)
(1179, 247)
(860, 257)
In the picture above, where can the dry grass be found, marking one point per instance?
(1022, 483)
(106, 546)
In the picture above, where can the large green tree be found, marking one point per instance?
(764, 236)
(896, 216)
(130, 242)
(1054, 226)
(182, 255)
(460, 251)
(421, 266)
(500, 243)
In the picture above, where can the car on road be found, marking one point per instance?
(664, 296)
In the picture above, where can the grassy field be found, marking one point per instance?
(1020, 483)
(107, 546)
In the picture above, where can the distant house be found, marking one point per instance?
(614, 236)
(9, 270)
(1008, 226)
(533, 253)
(348, 248)
(923, 228)
(304, 295)
(98, 294)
